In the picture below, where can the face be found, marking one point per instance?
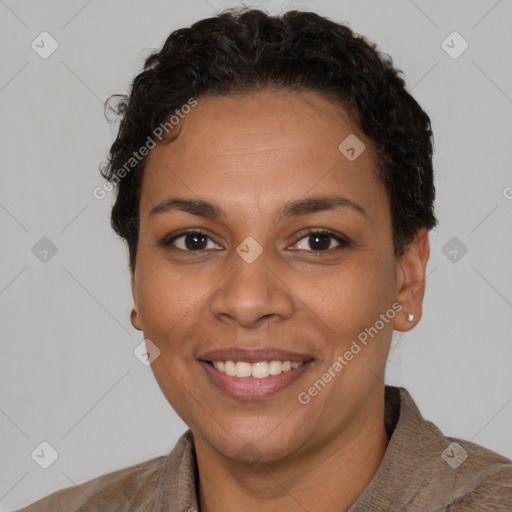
(265, 274)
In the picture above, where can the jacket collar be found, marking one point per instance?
(401, 475)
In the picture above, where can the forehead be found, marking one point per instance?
(267, 147)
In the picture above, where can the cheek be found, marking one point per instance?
(345, 300)
(165, 301)
(167, 294)
(170, 302)
(173, 303)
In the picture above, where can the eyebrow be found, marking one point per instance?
(297, 208)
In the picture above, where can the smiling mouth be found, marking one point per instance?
(257, 370)
(254, 381)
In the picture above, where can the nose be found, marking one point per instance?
(252, 292)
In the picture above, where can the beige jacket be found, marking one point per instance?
(422, 470)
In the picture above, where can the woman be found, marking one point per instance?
(275, 189)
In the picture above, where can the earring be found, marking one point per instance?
(410, 317)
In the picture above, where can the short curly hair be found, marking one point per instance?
(244, 50)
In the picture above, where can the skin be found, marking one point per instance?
(250, 154)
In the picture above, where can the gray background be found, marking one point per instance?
(68, 375)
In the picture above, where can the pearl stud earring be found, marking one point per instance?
(410, 317)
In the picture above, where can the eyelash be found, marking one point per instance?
(344, 243)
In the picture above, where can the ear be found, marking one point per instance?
(410, 276)
(134, 315)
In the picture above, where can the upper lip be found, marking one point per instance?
(253, 355)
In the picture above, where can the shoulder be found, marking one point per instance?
(482, 482)
(126, 489)
(441, 472)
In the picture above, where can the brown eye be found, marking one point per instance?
(191, 241)
(320, 241)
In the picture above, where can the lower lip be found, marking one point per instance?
(251, 388)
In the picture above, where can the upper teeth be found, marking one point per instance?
(259, 370)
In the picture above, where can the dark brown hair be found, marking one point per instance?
(245, 50)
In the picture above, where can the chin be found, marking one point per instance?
(253, 447)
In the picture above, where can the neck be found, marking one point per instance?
(328, 478)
